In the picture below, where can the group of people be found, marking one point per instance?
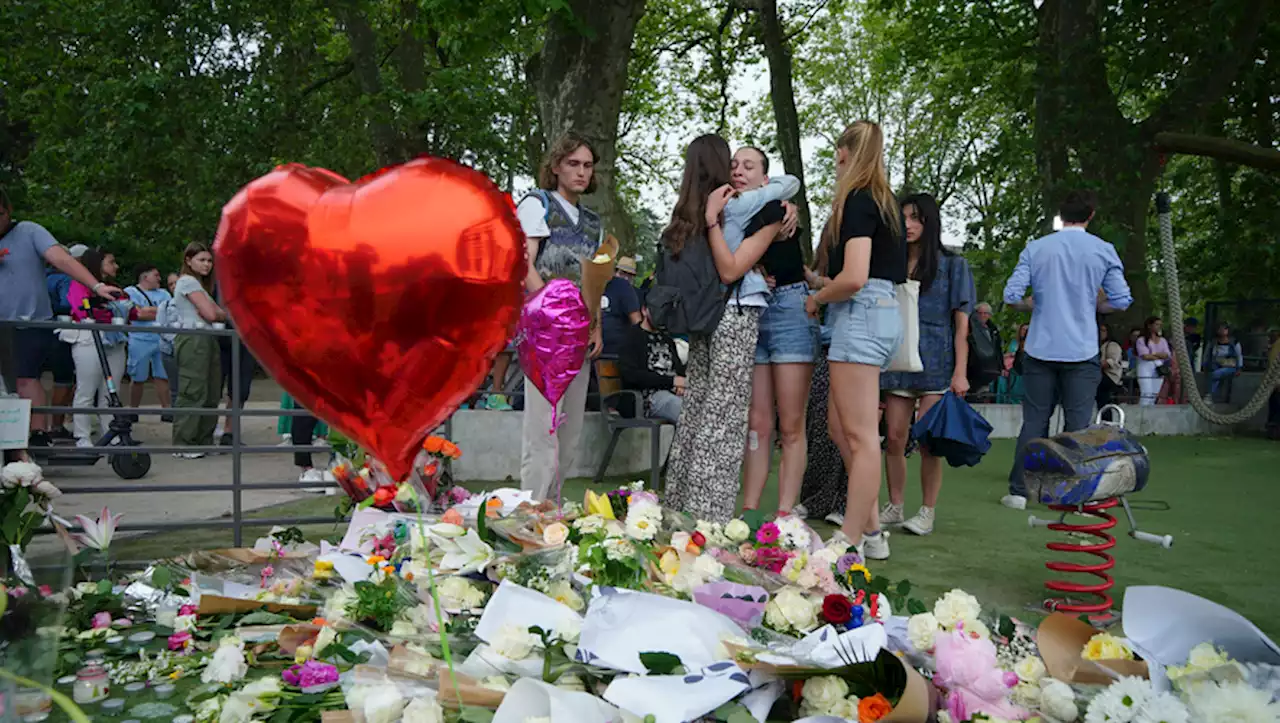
(43, 281)
(800, 350)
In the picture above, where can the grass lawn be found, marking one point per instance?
(1221, 494)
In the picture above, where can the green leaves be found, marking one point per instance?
(734, 713)
(263, 617)
(658, 663)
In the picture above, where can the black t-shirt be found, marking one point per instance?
(783, 259)
(888, 250)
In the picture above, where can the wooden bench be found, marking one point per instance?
(609, 378)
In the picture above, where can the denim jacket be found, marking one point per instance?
(737, 214)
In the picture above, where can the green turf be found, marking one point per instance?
(1221, 494)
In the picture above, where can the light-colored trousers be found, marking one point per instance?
(538, 448)
(91, 384)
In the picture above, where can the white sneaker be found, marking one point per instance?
(876, 547)
(328, 476)
(800, 511)
(191, 455)
(81, 443)
(1014, 502)
(835, 518)
(320, 442)
(286, 440)
(311, 476)
(891, 514)
(921, 523)
(840, 542)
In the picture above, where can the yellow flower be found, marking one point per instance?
(1105, 646)
(866, 574)
(375, 559)
(302, 654)
(669, 564)
(599, 505)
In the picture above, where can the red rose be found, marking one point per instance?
(383, 496)
(699, 539)
(836, 609)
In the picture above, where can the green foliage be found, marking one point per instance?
(379, 604)
(264, 617)
(661, 663)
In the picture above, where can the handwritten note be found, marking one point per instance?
(15, 422)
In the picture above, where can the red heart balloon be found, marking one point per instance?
(380, 304)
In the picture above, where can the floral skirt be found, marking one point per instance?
(825, 487)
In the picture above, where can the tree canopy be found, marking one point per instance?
(129, 124)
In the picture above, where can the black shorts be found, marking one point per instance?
(60, 364)
(32, 349)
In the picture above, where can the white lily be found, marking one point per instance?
(465, 554)
(98, 534)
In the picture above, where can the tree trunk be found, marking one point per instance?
(364, 53)
(579, 80)
(785, 117)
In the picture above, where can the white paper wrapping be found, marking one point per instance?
(530, 698)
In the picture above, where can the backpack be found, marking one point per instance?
(687, 296)
(58, 285)
(986, 359)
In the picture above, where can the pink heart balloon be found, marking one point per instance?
(552, 338)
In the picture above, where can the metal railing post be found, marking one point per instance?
(237, 511)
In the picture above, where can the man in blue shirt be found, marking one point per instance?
(1065, 271)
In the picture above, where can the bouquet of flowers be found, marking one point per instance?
(25, 500)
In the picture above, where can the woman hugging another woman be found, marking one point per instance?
(712, 433)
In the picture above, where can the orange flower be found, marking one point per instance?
(451, 450)
(430, 469)
(492, 507)
(319, 621)
(873, 708)
(383, 495)
(433, 444)
(452, 516)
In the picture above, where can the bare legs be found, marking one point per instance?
(897, 417)
(854, 419)
(783, 388)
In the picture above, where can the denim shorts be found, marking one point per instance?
(787, 334)
(867, 328)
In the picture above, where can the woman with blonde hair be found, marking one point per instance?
(864, 256)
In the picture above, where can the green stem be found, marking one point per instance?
(67, 705)
(435, 600)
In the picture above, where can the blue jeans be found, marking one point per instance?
(787, 334)
(1046, 385)
(867, 328)
(1215, 379)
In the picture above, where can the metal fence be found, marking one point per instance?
(235, 412)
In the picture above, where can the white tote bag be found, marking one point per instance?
(907, 358)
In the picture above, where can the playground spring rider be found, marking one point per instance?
(1087, 473)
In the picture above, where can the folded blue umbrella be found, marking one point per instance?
(955, 431)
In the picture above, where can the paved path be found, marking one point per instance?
(166, 470)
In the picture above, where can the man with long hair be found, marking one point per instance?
(560, 233)
(1064, 271)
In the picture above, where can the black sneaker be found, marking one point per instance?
(40, 438)
(226, 440)
(61, 432)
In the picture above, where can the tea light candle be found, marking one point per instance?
(145, 636)
(134, 687)
(115, 640)
(67, 680)
(185, 718)
(164, 690)
(112, 706)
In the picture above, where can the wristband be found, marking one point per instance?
(97, 286)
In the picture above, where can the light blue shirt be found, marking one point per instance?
(737, 215)
(143, 299)
(1065, 271)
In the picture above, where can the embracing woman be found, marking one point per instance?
(705, 461)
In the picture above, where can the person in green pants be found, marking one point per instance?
(284, 427)
(199, 367)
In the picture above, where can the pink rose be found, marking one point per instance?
(45, 590)
(101, 620)
(966, 668)
(187, 610)
(180, 641)
(747, 553)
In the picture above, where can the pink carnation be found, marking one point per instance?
(767, 534)
(187, 610)
(772, 558)
(966, 668)
(311, 676)
(101, 620)
(180, 641)
(458, 495)
(45, 590)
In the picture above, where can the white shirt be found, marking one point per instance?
(533, 214)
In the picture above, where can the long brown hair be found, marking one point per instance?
(561, 149)
(706, 168)
(864, 142)
(194, 248)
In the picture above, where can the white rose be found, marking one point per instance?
(514, 642)
(922, 630)
(1026, 695)
(823, 692)
(1030, 669)
(423, 710)
(791, 609)
(184, 623)
(459, 593)
(20, 474)
(955, 606)
(977, 627)
(588, 525)
(1206, 657)
(383, 704)
(555, 534)
(1057, 700)
(708, 568)
(737, 531)
(847, 708)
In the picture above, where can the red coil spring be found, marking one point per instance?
(1097, 549)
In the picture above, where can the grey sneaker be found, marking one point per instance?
(891, 514)
(800, 511)
(1014, 502)
(835, 518)
(876, 547)
(921, 523)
